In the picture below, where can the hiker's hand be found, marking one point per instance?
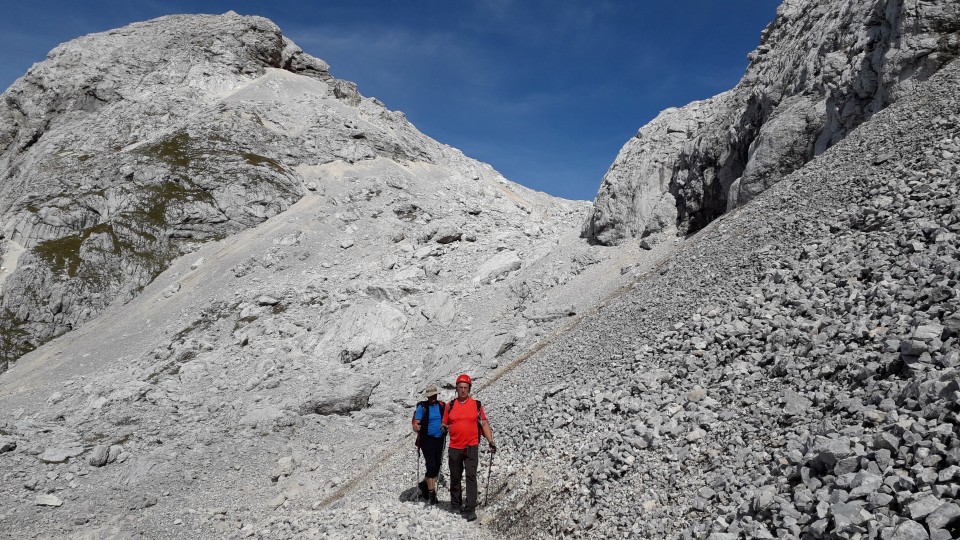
(444, 428)
(493, 448)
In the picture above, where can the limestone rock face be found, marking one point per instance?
(125, 149)
(823, 67)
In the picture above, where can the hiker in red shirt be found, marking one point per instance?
(465, 419)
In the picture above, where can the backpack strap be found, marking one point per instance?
(479, 422)
(424, 419)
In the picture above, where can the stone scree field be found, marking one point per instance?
(790, 372)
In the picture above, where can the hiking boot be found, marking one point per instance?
(470, 516)
(433, 497)
(424, 492)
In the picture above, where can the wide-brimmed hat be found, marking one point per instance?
(431, 391)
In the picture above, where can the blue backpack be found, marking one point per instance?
(425, 420)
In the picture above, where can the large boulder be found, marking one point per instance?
(500, 264)
(339, 392)
(363, 328)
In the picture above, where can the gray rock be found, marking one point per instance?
(923, 506)
(795, 404)
(847, 515)
(879, 500)
(47, 500)
(114, 453)
(952, 324)
(945, 514)
(141, 501)
(502, 263)
(909, 530)
(447, 234)
(339, 393)
(285, 467)
(865, 483)
(99, 456)
(764, 498)
(7, 445)
(267, 300)
(60, 455)
(846, 466)
(928, 332)
(887, 441)
(828, 451)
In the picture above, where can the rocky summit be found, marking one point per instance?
(228, 277)
(822, 69)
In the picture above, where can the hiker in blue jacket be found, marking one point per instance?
(430, 439)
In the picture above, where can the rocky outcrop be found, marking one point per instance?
(125, 149)
(823, 67)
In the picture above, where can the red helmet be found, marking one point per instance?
(464, 378)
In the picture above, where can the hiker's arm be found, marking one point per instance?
(487, 433)
(415, 421)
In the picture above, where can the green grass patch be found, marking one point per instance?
(208, 316)
(14, 339)
(61, 255)
(178, 150)
(159, 197)
(257, 160)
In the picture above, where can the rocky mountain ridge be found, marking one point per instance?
(822, 68)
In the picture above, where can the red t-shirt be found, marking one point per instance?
(462, 420)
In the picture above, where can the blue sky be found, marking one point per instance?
(546, 91)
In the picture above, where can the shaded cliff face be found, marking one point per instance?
(125, 149)
(823, 67)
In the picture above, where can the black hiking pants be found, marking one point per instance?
(460, 461)
(432, 448)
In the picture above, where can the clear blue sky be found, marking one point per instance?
(546, 91)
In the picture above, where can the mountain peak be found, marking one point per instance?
(128, 148)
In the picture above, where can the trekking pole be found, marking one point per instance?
(443, 446)
(416, 480)
(486, 490)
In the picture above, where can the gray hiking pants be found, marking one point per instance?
(460, 460)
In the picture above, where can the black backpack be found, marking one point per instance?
(479, 424)
(425, 420)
